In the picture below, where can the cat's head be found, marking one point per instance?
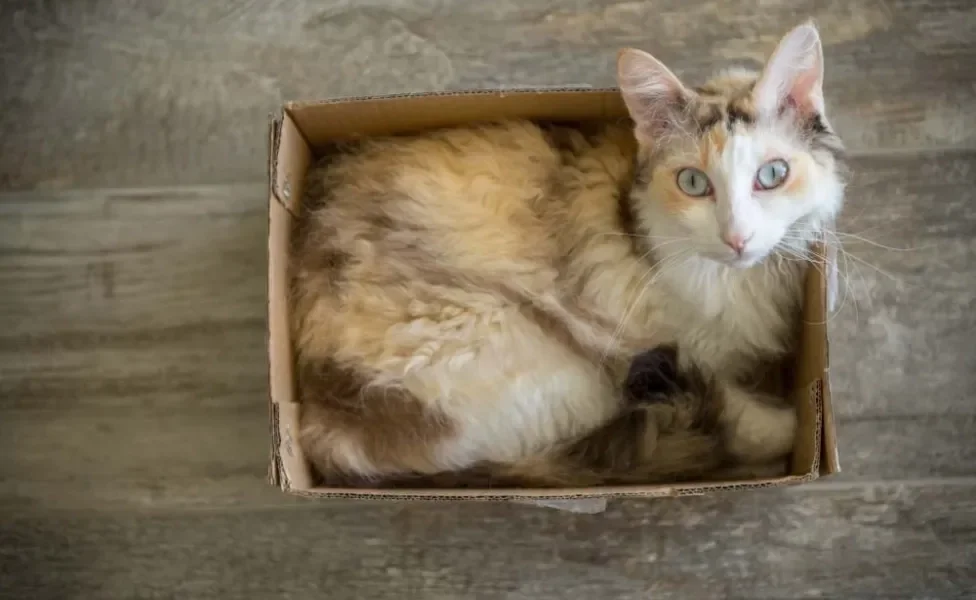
(737, 168)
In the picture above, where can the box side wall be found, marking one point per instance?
(290, 160)
(810, 372)
(830, 457)
(630, 491)
(274, 467)
(322, 123)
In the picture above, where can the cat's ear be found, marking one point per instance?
(793, 76)
(655, 97)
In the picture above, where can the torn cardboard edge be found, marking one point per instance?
(301, 129)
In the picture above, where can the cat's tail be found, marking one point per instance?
(679, 426)
(670, 431)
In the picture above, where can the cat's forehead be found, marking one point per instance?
(725, 101)
(730, 83)
(721, 109)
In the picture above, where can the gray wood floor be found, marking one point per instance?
(132, 348)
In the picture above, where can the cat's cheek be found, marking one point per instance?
(779, 213)
(700, 221)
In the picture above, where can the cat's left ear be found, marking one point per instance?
(793, 76)
(655, 97)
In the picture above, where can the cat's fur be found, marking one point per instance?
(472, 298)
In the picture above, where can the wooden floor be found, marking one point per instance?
(132, 308)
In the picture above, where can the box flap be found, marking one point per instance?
(497, 494)
(353, 118)
(830, 460)
(275, 474)
(290, 159)
(816, 446)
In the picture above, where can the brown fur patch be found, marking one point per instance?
(741, 109)
(626, 218)
(671, 433)
(618, 446)
(391, 428)
(707, 115)
(666, 436)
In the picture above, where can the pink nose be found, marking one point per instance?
(736, 241)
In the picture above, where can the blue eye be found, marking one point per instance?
(694, 183)
(772, 175)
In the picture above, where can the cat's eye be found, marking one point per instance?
(772, 174)
(694, 183)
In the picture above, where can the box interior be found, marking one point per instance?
(302, 131)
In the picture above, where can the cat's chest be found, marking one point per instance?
(729, 328)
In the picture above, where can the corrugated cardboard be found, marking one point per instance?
(302, 130)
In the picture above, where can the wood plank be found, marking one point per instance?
(123, 261)
(148, 388)
(901, 345)
(200, 78)
(161, 459)
(882, 542)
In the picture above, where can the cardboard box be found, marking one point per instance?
(301, 131)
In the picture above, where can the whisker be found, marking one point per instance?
(865, 240)
(849, 281)
(642, 236)
(644, 284)
(845, 277)
(859, 238)
(815, 260)
(873, 266)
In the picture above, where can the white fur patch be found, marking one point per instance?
(516, 391)
(757, 431)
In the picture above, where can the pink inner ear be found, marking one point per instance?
(793, 75)
(802, 96)
(653, 93)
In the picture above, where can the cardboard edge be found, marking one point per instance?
(290, 158)
(610, 493)
(829, 455)
(274, 148)
(830, 464)
(276, 474)
(289, 149)
(514, 91)
(816, 394)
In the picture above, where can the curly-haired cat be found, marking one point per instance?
(472, 298)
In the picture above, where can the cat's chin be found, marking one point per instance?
(746, 261)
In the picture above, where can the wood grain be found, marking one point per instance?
(217, 459)
(132, 339)
(110, 93)
(879, 542)
(901, 345)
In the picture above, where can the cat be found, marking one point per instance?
(470, 300)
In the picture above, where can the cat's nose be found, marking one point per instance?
(736, 241)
